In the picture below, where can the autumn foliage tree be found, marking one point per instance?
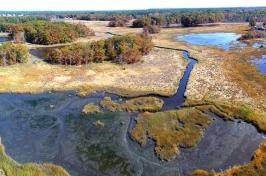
(47, 33)
(11, 53)
(120, 49)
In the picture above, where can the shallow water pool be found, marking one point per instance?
(222, 40)
(260, 64)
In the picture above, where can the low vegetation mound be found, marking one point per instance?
(11, 53)
(9, 167)
(91, 108)
(171, 130)
(256, 167)
(252, 34)
(47, 33)
(118, 22)
(120, 49)
(134, 104)
(152, 29)
(230, 112)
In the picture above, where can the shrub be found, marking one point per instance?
(11, 53)
(121, 49)
(153, 29)
(252, 22)
(138, 23)
(253, 34)
(117, 23)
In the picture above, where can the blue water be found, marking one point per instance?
(3, 39)
(222, 40)
(261, 64)
(259, 44)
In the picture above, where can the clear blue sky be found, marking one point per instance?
(122, 4)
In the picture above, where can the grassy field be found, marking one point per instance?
(153, 75)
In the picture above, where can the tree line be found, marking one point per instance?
(174, 16)
(119, 49)
(5, 22)
(47, 33)
(11, 53)
(40, 31)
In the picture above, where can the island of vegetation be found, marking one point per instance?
(134, 104)
(230, 111)
(91, 108)
(171, 130)
(9, 167)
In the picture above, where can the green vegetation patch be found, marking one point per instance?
(11, 53)
(171, 130)
(231, 111)
(257, 167)
(10, 168)
(134, 104)
(91, 108)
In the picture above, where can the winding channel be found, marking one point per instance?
(50, 127)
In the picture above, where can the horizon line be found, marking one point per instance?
(102, 10)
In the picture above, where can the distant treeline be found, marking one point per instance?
(11, 53)
(174, 16)
(39, 31)
(120, 49)
(5, 22)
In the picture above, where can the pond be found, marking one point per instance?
(260, 64)
(222, 40)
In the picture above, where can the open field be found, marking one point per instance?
(154, 75)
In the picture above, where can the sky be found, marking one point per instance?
(27, 5)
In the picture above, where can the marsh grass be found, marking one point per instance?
(12, 168)
(230, 111)
(171, 130)
(244, 73)
(257, 167)
(134, 104)
(91, 108)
